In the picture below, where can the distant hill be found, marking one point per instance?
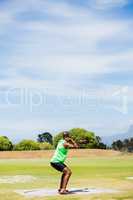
(109, 139)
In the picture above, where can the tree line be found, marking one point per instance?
(45, 141)
(125, 145)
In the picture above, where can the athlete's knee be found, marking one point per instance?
(68, 171)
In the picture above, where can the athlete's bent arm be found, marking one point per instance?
(70, 144)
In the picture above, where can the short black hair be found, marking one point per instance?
(66, 134)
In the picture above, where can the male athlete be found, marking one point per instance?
(59, 158)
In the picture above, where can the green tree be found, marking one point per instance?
(5, 144)
(45, 146)
(117, 145)
(27, 145)
(125, 145)
(99, 144)
(45, 137)
(84, 138)
(130, 147)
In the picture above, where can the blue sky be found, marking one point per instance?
(65, 64)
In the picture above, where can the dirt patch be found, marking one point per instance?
(17, 179)
(48, 153)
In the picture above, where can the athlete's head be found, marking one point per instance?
(66, 135)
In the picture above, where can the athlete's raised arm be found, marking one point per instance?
(70, 143)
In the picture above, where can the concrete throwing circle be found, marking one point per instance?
(53, 192)
(17, 179)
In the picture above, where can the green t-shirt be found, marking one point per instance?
(60, 153)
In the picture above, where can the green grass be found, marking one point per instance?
(99, 172)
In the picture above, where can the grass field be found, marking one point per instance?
(94, 171)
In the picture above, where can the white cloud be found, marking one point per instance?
(66, 46)
(4, 18)
(5, 21)
(88, 30)
(108, 4)
(72, 45)
(91, 64)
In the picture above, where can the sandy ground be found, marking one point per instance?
(47, 154)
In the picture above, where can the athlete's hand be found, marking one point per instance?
(76, 146)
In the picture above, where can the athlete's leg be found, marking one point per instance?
(61, 182)
(65, 178)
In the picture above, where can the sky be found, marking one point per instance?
(65, 64)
